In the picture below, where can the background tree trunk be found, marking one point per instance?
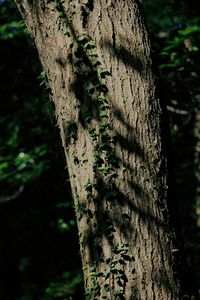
(96, 56)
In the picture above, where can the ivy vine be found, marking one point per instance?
(91, 82)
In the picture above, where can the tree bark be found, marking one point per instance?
(97, 59)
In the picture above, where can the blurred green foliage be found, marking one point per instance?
(175, 33)
(39, 247)
(12, 30)
(179, 66)
(65, 287)
(39, 252)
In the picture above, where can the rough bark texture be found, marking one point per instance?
(96, 55)
(197, 165)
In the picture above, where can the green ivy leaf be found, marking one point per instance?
(92, 53)
(67, 33)
(88, 186)
(104, 73)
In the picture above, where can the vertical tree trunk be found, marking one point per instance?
(96, 55)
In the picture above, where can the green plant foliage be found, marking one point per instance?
(65, 226)
(12, 30)
(64, 287)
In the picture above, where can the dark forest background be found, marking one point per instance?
(39, 251)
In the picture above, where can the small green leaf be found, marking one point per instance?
(104, 73)
(103, 115)
(62, 14)
(88, 118)
(101, 87)
(106, 287)
(93, 134)
(103, 170)
(82, 39)
(101, 97)
(90, 88)
(92, 53)
(88, 186)
(104, 106)
(75, 158)
(89, 45)
(96, 63)
(105, 125)
(67, 33)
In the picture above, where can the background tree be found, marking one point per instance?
(99, 72)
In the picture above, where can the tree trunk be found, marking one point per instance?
(96, 55)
